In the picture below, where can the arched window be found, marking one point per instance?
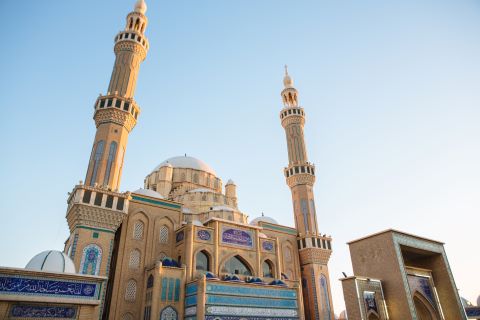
(134, 261)
(131, 23)
(137, 24)
(163, 234)
(325, 297)
(169, 313)
(96, 160)
(111, 156)
(287, 254)
(267, 267)
(236, 265)
(202, 261)
(138, 230)
(131, 290)
(91, 260)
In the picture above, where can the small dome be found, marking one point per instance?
(188, 163)
(230, 181)
(256, 221)
(149, 193)
(141, 6)
(197, 223)
(51, 261)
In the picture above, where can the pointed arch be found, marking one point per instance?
(423, 307)
(91, 260)
(203, 261)
(236, 264)
(268, 270)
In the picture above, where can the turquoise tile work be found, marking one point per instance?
(249, 291)
(250, 301)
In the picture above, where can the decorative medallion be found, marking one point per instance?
(203, 235)
(267, 246)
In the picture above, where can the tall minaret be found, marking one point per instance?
(314, 248)
(116, 112)
(95, 208)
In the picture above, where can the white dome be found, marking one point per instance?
(187, 162)
(149, 193)
(255, 221)
(51, 261)
(197, 223)
(230, 181)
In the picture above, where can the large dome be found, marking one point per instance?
(51, 261)
(187, 162)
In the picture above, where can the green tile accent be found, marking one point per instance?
(95, 235)
(278, 228)
(177, 290)
(164, 289)
(157, 202)
(94, 229)
(171, 287)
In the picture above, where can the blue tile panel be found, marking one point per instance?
(250, 301)
(244, 318)
(250, 291)
(177, 289)
(33, 286)
(171, 285)
(190, 301)
(164, 289)
(472, 311)
(191, 289)
(39, 311)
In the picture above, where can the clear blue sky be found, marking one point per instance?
(391, 90)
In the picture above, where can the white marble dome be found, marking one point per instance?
(51, 261)
(149, 193)
(266, 219)
(188, 163)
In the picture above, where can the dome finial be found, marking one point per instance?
(287, 80)
(140, 6)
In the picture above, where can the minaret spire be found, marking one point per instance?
(314, 248)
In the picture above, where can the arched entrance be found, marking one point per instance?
(424, 309)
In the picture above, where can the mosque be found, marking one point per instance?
(180, 248)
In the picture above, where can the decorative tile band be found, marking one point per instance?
(279, 228)
(191, 289)
(245, 318)
(161, 203)
(46, 287)
(191, 311)
(258, 312)
(250, 302)
(249, 291)
(191, 301)
(38, 311)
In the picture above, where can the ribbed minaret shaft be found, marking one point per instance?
(314, 248)
(116, 112)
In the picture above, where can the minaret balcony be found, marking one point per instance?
(314, 249)
(113, 108)
(96, 207)
(133, 36)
